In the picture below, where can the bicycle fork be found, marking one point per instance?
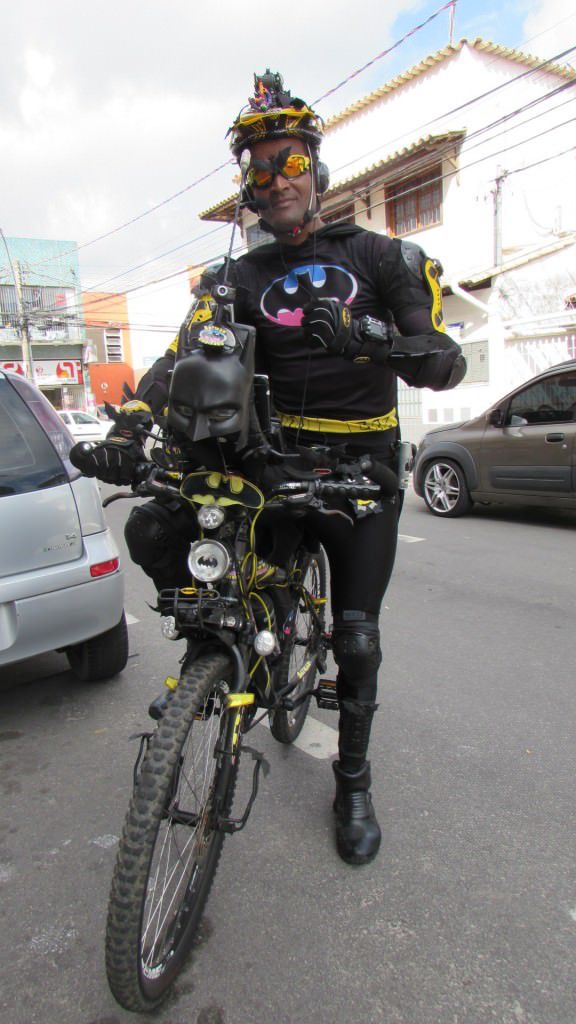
(235, 710)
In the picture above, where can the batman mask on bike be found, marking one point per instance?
(211, 388)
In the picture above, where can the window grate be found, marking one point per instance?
(476, 356)
(114, 350)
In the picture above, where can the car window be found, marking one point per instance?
(65, 416)
(50, 421)
(84, 418)
(552, 400)
(28, 461)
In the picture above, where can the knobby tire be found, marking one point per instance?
(156, 906)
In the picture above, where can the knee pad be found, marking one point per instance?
(356, 648)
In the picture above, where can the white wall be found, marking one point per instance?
(536, 203)
(166, 304)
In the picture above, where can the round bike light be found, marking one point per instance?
(168, 627)
(210, 516)
(208, 560)
(264, 643)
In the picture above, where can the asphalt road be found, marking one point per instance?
(468, 916)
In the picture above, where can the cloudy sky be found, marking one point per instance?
(109, 109)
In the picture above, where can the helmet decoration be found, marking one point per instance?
(273, 113)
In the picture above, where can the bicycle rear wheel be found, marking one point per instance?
(171, 843)
(306, 615)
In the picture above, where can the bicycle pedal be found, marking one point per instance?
(326, 695)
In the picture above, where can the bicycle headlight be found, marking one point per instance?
(208, 560)
(210, 517)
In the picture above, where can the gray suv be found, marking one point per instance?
(61, 586)
(521, 451)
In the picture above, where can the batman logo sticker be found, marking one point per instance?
(284, 299)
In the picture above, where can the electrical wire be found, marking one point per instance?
(517, 170)
(374, 183)
(522, 75)
(415, 168)
(384, 53)
(145, 213)
(227, 163)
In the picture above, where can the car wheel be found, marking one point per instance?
(445, 490)
(102, 656)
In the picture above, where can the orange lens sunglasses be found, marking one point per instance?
(294, 166)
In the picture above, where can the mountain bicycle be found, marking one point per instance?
(256, 641)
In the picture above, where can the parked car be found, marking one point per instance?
(84, 426)
(521, 451)
(61, 585)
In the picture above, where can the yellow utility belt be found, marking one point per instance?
(320, 426)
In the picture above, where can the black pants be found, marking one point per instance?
(360, 554)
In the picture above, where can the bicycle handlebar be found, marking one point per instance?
(368, 480)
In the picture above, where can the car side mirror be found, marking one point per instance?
(496, 418)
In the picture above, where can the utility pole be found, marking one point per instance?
(497, 193)
(23, 329)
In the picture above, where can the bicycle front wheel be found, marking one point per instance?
(171, 843)
(299, 661)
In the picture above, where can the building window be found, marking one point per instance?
(342, 213)
(255, 236)
(114, 353)
(415, 203)
(476, 356)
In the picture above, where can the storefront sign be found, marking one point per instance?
(50, 371)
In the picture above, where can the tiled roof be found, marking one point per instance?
(471, 280)
(429, 142)
(224, 210)
(482, 45)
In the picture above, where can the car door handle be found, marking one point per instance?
(554, 437)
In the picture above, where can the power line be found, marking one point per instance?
(468, 103)
(389, 199)
(140, 216)
(530, 71)
(187, 188)
(550, 94)
(425, 161)
(384, 53)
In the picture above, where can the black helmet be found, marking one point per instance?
(274, 114)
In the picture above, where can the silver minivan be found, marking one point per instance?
(61, 584)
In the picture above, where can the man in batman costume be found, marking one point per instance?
(322, 299)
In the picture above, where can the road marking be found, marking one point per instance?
(131, 619)
(105, 841)
(410, 540)
(317, 739)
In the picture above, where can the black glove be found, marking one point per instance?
(130, 419)
(329, 323)
(114, 460)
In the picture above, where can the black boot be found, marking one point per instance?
(357, 831)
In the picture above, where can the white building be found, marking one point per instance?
(471, 154)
